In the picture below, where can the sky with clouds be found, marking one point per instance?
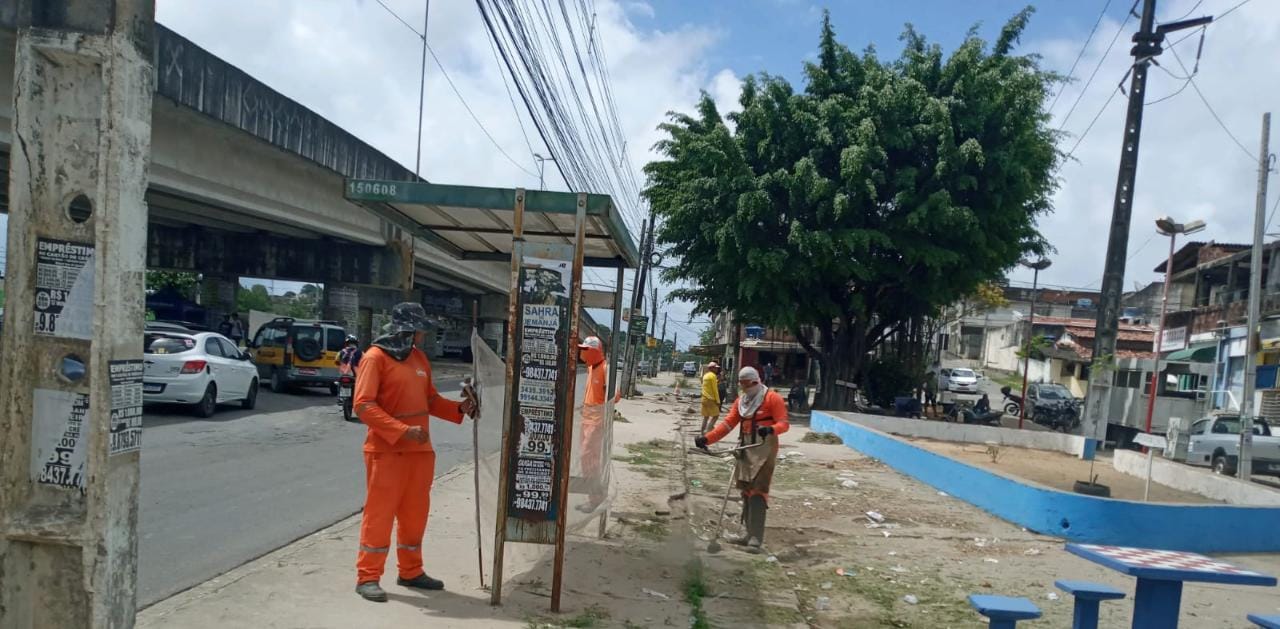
(352, 62)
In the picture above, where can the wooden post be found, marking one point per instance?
(500, 528)
(566, 437)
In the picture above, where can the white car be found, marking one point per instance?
(202, 369)
(960, 380)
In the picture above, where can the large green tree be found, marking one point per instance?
(850, 211)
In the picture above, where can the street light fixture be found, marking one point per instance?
(1037, 266)
(542, 163)
(1166, 226)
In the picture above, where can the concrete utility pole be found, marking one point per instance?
(637, 302)
(1244, 467)
(662, 339)
(71, 385)
(1146, 48)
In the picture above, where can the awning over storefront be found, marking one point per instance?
(1197, 353)
(475, 223)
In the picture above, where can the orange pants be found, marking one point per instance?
(398, 488)
(593, 451)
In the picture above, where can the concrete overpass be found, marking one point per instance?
(246, 182)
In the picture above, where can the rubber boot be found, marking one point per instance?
(757, 508)
(741, 539)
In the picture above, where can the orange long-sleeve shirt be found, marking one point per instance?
(772, 412)
(597, 380)
(391, 396)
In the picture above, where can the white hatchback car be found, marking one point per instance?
(202, 369)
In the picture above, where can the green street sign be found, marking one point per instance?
(639, 326)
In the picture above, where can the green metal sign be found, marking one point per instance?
(639, 326)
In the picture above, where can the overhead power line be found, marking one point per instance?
(1216, 20)
(1098, 67)
(1070, 73)
(454, 87)
(1191, 79)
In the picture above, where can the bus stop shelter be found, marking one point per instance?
(548, 237)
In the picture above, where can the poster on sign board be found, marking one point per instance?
(542, 327)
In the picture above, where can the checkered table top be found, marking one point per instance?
(1169, 559)
(1168, 564)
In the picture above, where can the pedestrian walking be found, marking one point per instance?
(237, 329)
(768, 373)
(710, 396)
(396, 398)
(761, 414)
(931, 392)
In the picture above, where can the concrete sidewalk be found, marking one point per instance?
(616, 581)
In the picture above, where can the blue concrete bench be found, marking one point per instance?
(1268, 622)
(1088, 596)
(1004, 611)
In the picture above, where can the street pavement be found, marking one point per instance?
(218, 492)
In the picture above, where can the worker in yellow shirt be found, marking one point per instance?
(710, 396)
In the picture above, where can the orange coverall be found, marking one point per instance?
(772, 412)
(390, 397)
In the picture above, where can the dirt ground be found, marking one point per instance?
(1058, 470)
(917, 567)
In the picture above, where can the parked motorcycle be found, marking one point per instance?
(1012, 401)
(797, 398)
(1060, 415)
(346, 393)
(965, 413)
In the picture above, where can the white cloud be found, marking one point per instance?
(355, 64)
(1188, 166)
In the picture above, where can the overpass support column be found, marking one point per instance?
(342, 304)
(218, 296)
(71, 381)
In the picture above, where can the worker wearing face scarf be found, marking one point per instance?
(762, 414)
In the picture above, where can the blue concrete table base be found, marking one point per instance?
(1004, 612)
(1156, 604)
(1088, 597)
(1266, 622)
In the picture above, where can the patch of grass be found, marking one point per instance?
(695, 589)
(652, 529)
(822, 437)
(592, 616)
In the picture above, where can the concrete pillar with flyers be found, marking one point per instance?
(71, 381)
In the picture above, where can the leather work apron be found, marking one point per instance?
(754, 471)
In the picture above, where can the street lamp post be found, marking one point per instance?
(1037, 267)
(1166, 227)
(542, 163)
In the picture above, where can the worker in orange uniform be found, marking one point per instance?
(593, 421)
(762, 414)
(396, 398)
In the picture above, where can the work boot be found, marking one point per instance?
(755, 523)
(740, 539)
(422, 582)
(371, 591)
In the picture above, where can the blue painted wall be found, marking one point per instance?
(1198, 528)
